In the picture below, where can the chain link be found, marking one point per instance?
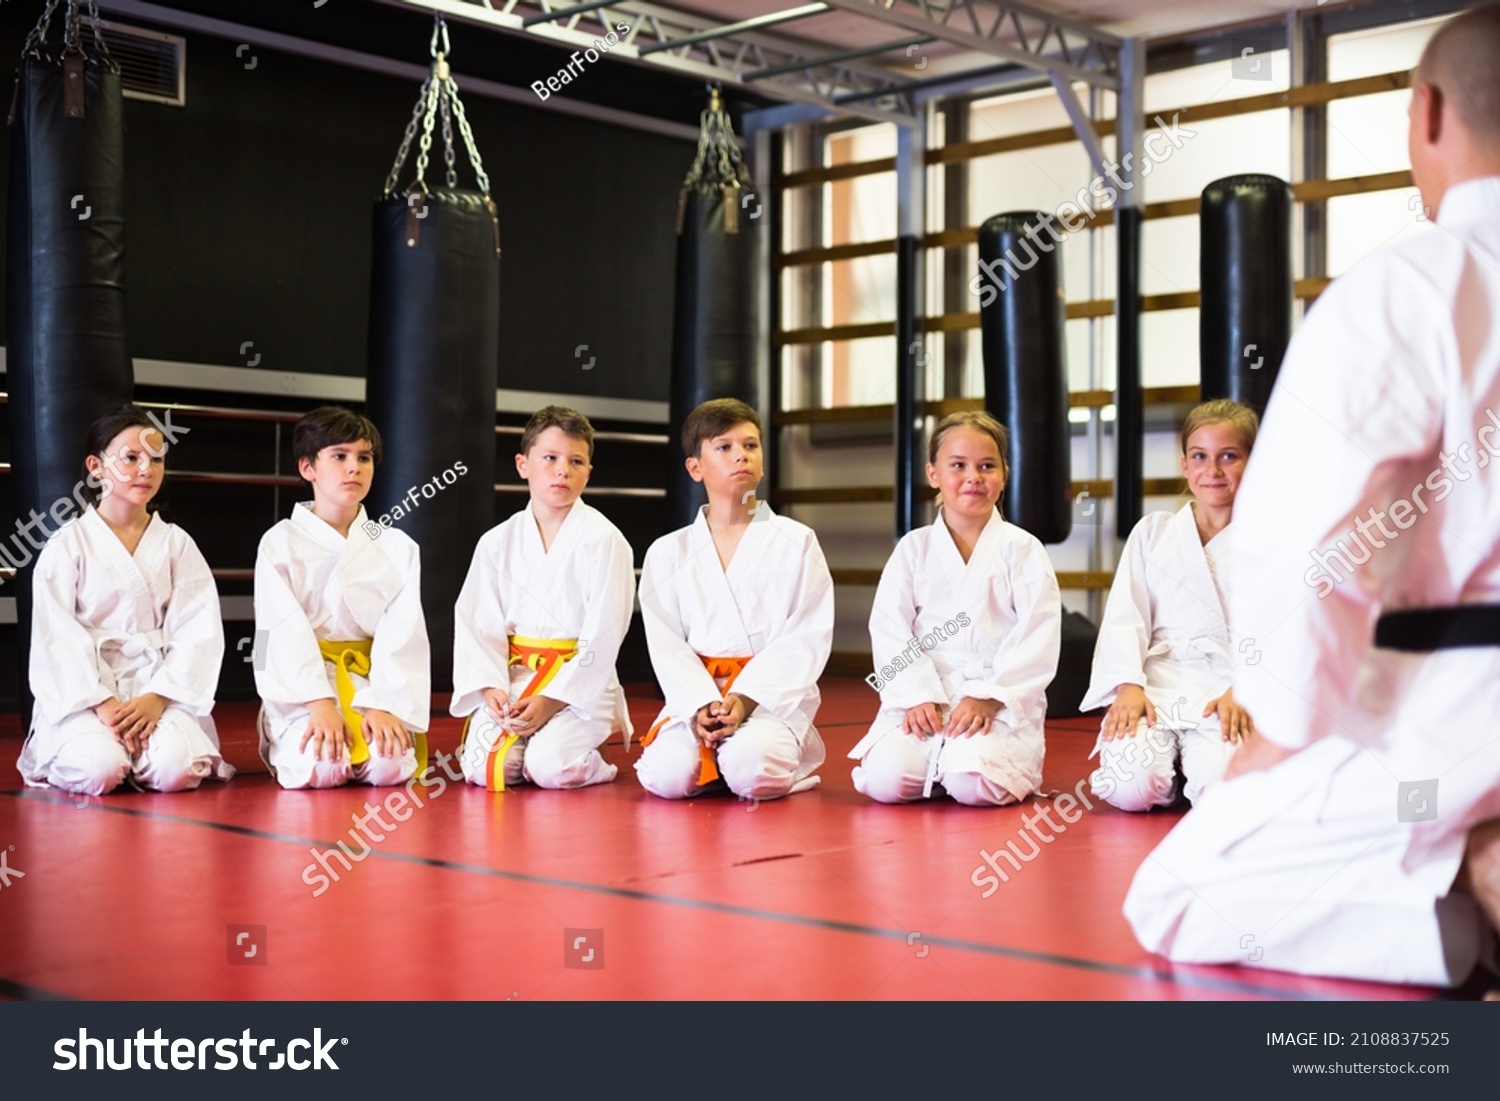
(719, 162)
(72, 43)
(438, 96)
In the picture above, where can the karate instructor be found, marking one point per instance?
(1358, 832)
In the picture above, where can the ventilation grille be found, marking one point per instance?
(151, 63)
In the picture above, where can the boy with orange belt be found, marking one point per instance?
(738, 611)
(539, 622)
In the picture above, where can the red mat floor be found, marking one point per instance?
(824, 895)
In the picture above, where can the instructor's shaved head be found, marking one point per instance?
(1462, 61)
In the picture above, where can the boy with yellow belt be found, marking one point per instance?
(539, 623)
(342, 662)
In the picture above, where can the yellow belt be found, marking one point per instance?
(354, 657)
(728, 668)
(544, 656)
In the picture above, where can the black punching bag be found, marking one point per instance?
(67, 358)
(433, 362)
(1021, 317)
(1245, 314)
(714, 321)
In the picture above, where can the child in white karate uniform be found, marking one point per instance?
(966, 630)
(738, 610)
(1163, 662)
(539, 623)
(342, 661)
(126, 639)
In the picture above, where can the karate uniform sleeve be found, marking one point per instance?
(893, 621)
(1125, 631)
(400, 655)
(288, 664)
(64, 667)
(481, 639)
(1026, 660)
(609, 598)
(679, 670)
(194, 632)
(786, 670)
(1363, 350)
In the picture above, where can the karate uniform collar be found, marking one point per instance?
(323, 532)
(1471, 201)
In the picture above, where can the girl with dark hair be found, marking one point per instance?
(126, 636)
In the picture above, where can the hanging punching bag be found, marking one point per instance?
(67, 359)
(1245, 315)
(434, 346)
(713, 321)
(1021, 318)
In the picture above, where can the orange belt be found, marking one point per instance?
(729, 669)
(543, 655)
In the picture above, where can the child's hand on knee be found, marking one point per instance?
(386, 734)
(1235, 724)
(1124, 715)
(136, 719)
(498, 702)
(326, 732)
(971, 716)
(923, 720)
(530, 715)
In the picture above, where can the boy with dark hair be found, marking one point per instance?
(738, 610)
(342, 660)
(539, 623)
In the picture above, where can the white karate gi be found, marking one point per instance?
(1165, 629)
(774, 604)
(310, 584)
(106, 624)
(988, 629)
(581, 588)
(1390, 392)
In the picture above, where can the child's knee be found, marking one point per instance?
(557, 765)
(306, 771)
(892, 772)
(387, 772)
(975, 790)
(669, 770)
(1135, 774)
(760, 764)
(90, 764)
(168, 763)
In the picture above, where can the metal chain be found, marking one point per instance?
(438, 95)
(405, 150)
(468, 136)
(38, 33)
(447, 110)
(719, 162)
(434, 93)
(71, 31)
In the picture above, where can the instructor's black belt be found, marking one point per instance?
(1419, 630)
